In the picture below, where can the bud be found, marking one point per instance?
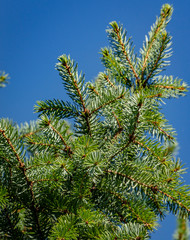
(164, 34)
(166, 10)
(114, 25)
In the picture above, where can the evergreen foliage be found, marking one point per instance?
(182, 231)
(3, 79)
(114, 175)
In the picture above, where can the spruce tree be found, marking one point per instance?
(114, 174)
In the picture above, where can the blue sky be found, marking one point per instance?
(35, 32)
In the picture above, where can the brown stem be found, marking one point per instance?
(94, 90)
(169, 87)
(154, 96)
(107, 79)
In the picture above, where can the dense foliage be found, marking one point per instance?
(114, 174)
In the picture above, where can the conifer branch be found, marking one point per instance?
(86, 115)
(157, 60)
(107, 79)
(64, 63)
(94, 90)
(120, 128)
(170, 87)
(30, 133)
(21, 164)
(132, 135)
(174, 199)
(153, 199)
(128, 177)
(180, 194)
(38, 165)
(10, 165)
(33, 207)
(44, 144)
(106, 103)
(45, 180)
(76, 86)
(124, 202)
(9, 220)
(7, 160)
(117, 31)
(147, 148)
(119, 125)
(107, 58)
(154, 189)
(61, 137)
(155, 96)
(120, 150)
(162, 130)
(46, 164)
(60, 108)
(147, 53)
(165, 13)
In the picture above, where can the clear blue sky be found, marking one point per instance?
(35, 32)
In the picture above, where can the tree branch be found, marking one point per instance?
(107, 103)
(125, 53)
(34, 209)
